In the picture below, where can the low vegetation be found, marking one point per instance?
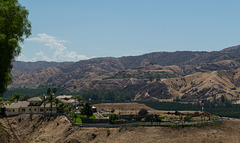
(223, 111)
(30, 92)
(105, 95)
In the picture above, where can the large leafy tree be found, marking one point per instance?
(16, 96)
(87, 110)
(14, 27)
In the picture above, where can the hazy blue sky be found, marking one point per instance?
(71, 30)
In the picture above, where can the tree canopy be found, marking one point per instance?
(87, 110)
(14, 27)
(16, 96)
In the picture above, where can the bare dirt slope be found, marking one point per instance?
(59, 129)
(206, 85)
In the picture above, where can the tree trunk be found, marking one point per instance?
(44, 108)
(51, 106)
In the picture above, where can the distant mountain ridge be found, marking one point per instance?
(160, 58)
(31, 66)
(139, 73)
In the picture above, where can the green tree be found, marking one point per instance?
(54, 91)
(143, 112)
(113, 118)
(44, 100)
(51, 97)
(25, 97)
(14, 27)
(56, 101)
(223, 99)
(80, 100)
(16, 96)
(87, 110)
(177, 99)
(75, 97)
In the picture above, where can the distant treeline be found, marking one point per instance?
(24, 91)
(223, 111)
(105, 95)
(93, 95)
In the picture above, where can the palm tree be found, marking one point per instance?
(80, 99)
(54, 91)
(56, 101)
(44, 99)
(75, 97)
(50, 94)
(50, 97)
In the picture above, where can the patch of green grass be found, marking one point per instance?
(168, 124)
(78, 120)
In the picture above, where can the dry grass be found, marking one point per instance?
(47, 130)
(132, 108)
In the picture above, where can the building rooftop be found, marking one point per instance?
(34, 99)
(64, 97)
(18, 104)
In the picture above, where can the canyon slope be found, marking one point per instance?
(37, 128)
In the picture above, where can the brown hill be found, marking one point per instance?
(207, 85)
(31, 66)
(152, 75)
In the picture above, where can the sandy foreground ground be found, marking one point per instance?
(27, 129)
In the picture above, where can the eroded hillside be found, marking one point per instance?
(37, 128)
(155, 76)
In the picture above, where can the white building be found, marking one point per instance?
(33, 105)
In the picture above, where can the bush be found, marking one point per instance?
(143, 112)
(143, 120)
(83, 116)
(133, 120)
(214, 117)
(113, 118)
(161, 117)
(120, 129)
(177, 113)
(92, 117)
(180, 118)
(187, 118)
(196, 114)
(108, 132)
(87, 110)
